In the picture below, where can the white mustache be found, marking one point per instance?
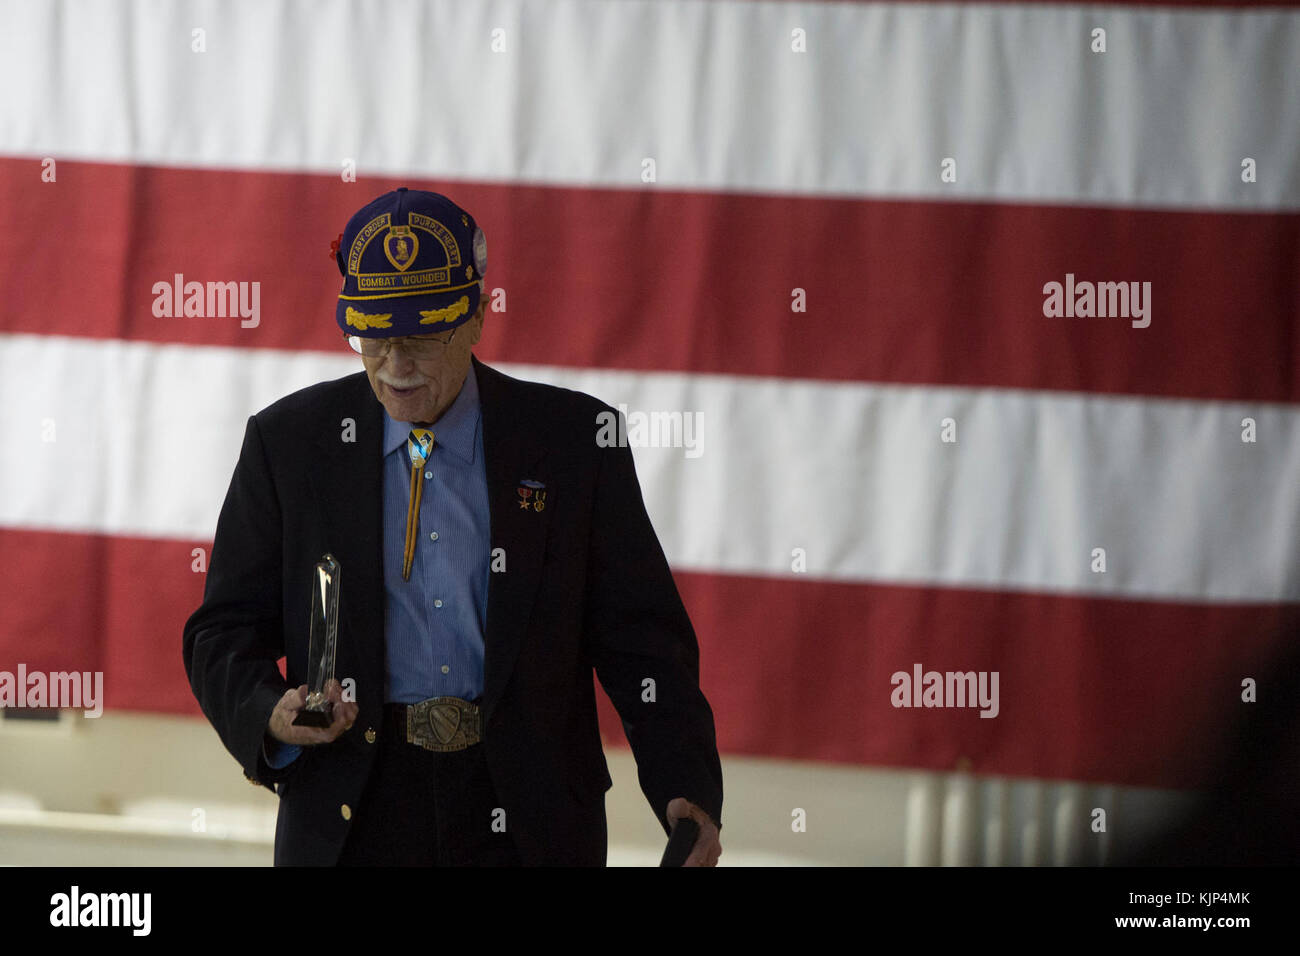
(398, 385)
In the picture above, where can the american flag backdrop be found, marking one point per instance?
(823, 231)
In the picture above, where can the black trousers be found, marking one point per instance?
(423, 808)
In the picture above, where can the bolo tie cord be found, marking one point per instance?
(418, 447)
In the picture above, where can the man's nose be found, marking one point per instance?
(399, 361)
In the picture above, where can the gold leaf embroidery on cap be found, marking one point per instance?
(363, 321)
(449, 314)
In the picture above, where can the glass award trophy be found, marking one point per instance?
(319, 711)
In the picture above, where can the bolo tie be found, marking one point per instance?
(418, 448)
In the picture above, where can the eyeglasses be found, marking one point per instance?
(416, 346)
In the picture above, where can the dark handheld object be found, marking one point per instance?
(680, 842)
(315, 718)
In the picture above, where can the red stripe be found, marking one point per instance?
(1128, 692)
(908, 292)
(95, 603)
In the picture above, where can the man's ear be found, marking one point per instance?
(476, 323)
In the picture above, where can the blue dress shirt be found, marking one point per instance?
(434, 623)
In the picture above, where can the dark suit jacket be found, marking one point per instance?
(585, 586)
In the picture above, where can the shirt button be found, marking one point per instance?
(428, 474)
(433, 536)
(438, 603)
(446, 669)
(345, 811)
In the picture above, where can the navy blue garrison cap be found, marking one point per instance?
(411, 263)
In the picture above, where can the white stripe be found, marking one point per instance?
(854, 474)
(584, 90)
(145, 437)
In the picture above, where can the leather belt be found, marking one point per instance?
(441, 724)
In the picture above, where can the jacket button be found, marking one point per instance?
(346, 811)
(370, 735)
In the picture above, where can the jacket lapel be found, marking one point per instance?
(346, 478)
(511, 455)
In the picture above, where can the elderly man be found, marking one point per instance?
(491, 554)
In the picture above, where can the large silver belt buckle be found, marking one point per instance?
(442, 724)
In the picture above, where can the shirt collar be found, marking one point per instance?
(456, 430)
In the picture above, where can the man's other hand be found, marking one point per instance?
(282, 728)
(707, 847)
